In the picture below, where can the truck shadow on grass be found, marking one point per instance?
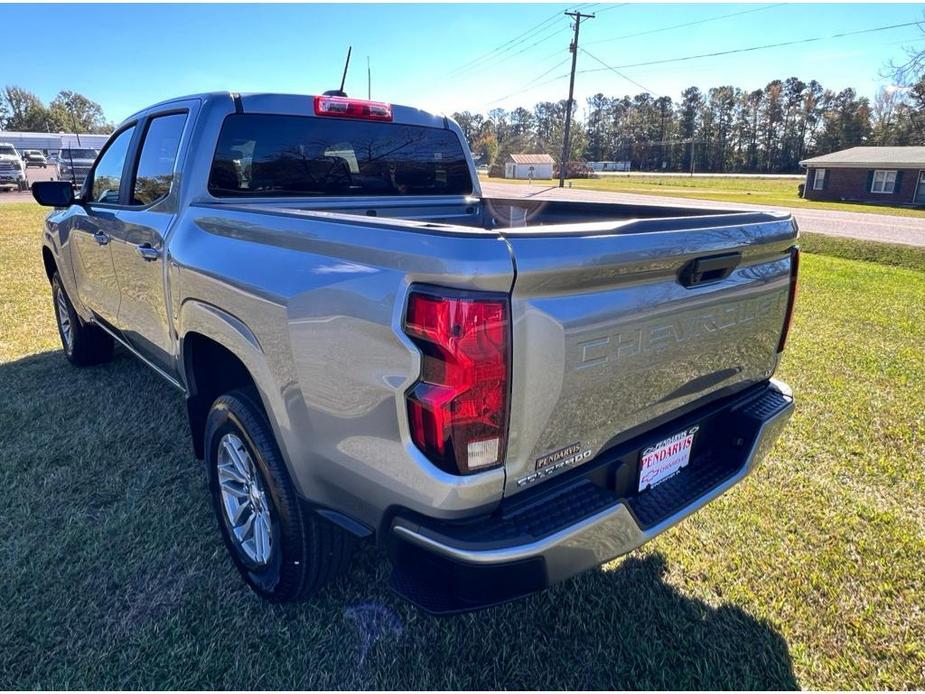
(115, 577)
(618, 628)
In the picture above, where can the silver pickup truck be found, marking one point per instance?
(501, 392)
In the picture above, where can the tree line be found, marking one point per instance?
(722, 129)
(69, 111)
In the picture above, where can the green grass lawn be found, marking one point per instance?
(809, 574)
(744, 189)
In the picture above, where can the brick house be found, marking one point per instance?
(884, 175)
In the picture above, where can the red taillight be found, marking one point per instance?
(791, 296)
(342, 107)
(459, 406)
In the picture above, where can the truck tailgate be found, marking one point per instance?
(613, 334)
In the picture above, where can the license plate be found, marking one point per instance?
(666, 458)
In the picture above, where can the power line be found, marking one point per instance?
(610, 7)
(673, 26)
(616, 71)
(685, 24)
(497, 55)
(530, 85)
(557, 31)
(507, 45)
(758, 48)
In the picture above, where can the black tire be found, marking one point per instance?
(88, 344)
(306, 550)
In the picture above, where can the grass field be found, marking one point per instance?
(809, 574)
(745, 189)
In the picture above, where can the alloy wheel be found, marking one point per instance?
(64, 320)
(244, 500)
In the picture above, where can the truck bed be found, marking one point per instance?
(523, 213)
(610, 330)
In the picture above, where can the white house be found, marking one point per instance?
(528, 166)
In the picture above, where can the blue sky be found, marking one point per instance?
(128, 56)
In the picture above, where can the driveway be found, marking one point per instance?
(856, 225)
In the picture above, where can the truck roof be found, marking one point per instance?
(290, 104)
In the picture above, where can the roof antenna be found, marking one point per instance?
(341, 92)
(70, 150)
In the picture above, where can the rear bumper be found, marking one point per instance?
(585, 517)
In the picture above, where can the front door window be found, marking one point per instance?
(107, 177)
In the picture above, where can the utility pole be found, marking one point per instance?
(692, 156)
(369, 80)
(563, 160)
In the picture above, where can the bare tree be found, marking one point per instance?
(907, 72)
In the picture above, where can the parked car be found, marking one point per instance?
(32, 157)
(12, 168)
(503, 393)
(74, 163)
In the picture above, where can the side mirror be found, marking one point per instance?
(53, 193)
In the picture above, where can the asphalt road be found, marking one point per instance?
(679, 174)
(857, 225)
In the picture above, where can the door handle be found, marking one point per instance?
(148, 252)
(101, 238)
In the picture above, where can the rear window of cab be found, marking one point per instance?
(264, 155)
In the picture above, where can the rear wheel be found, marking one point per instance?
(84, 344)
(283, 551)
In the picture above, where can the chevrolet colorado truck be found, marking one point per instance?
(501, 392)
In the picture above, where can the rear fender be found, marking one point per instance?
(235, 336)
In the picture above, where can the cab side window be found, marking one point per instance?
(108, 173)
(158, 158)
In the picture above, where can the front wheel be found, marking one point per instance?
(283, 551)
(84, 344)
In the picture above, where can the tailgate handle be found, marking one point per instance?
(711, 268)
